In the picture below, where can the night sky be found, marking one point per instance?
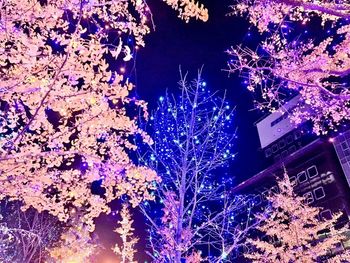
(193, 45)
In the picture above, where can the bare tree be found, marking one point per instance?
(26, 235)
(193, 142)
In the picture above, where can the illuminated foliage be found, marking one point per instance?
(188, 9)
(63, 119)
(282, 67)
(126, 232)
(76, 245)
(294, 232)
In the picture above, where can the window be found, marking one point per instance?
(319, 193)
(308, 197)
(344, 146)
(289, 139)
(292, 149)
(284, 154)
(268, 152)
(297, 135)
(326, 214)
(282, 144)
(312, 171)
(347, 154)
(302, 178)
(275, 148)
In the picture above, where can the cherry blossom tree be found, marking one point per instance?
(63, 119)
(193, 142)
(126, 250)
(294, 233)
(188, 9)
(76, 245)
(316, 70)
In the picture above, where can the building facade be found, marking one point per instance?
(342, 147)
(319, 167)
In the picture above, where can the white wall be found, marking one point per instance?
(269, 131)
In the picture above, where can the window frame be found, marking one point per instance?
(324, 194)
(298, 176)
(308, 174)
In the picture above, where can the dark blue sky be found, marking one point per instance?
(192, 45)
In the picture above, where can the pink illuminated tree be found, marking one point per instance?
(126, 250)
(314, 70)
(293, 231)
(76, 245)
(63, 119)
(189, 9)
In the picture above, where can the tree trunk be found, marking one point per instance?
(179, 227)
